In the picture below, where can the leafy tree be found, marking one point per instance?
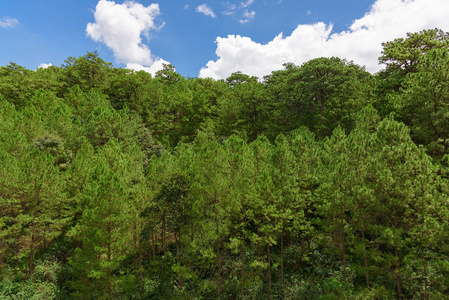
(423, 102)
(116, 184)
(237, 78)
(405, 53)
(14, 84)
(128, 88)
(335, 205)
(404, 171)
(264, 205)
(37, 211)
(104, 228)
(88, 71)
(245, 110)
(291, 202)
(239, 208)
(401, 57)
(168, 74)
(320, 94)
(211, 190)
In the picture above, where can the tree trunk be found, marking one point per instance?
(269, 266)
(31, 262)
(242, 270)
(178, 250)
(343, 250)
(282, 257)
(426, 287)
(396, 255)
(426, 292)
(153, 244)
(217, 232)
(398, 272)
(259, 273)
(33, 224)
(164, 225)
(322, 109)
(141, 272)
(219, 268)
(109, 271)
(365, 259)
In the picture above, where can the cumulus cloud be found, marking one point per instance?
(44, 66)
(362, 42)
(121, 26)
(203, 8)
(8, 22)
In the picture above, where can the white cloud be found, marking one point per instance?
(247, 3)
(248, 15)
(244, 14)
(203, 8)
(230, 10)
(156, 66)
(8, 22)
(362, 42)
(186, 6)
(44, 66)
(227, 12)
(121, 26)
(308, 13)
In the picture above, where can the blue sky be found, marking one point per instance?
(209, 38)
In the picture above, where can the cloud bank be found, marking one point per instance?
(121, 26)
(362, 42)
(8, 22)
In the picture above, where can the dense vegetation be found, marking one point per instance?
(319, 181)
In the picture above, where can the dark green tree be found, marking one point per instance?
(88, 71)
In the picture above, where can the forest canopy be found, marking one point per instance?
(318, 181)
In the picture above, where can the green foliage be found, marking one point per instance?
(423, 102)
(88, 71)
(401, 58)
(104, 240)
(321, 94)
(168, 74)
(42, 285)
(406, 53)
(119, 185)
(55, 146)
(14, 86)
